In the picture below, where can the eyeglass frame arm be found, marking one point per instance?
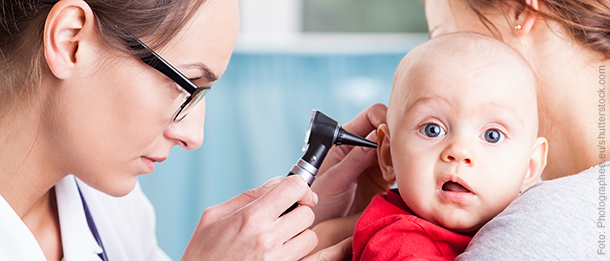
(157, 62)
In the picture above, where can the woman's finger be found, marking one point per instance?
(292, 189)
(299, 246)
(367, 120)
(213, 213)
(355, 162)
(294, 223)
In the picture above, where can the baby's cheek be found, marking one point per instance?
(419, 200)
(497, 202)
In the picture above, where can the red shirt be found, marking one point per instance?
(388, 230)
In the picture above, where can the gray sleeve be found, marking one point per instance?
(562, 219)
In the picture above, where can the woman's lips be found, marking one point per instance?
(454, 189)
(150, 162)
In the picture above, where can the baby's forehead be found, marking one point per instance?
(464, 76)
(469, 57)
(467, 70)
(466, 51)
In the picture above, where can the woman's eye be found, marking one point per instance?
(179, 88)
(432, 130)
(493, 136)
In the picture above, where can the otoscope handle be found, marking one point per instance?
(307, 172)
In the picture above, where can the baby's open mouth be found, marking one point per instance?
(454, 187)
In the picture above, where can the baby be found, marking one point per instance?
(461, 143)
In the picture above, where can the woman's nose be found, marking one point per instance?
(458, 152)
(188, 133)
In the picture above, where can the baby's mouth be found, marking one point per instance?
(455, 189)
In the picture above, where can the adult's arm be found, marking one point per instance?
(561, 219)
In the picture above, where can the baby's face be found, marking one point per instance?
(461, 137)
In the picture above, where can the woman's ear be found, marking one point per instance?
(525, 20)
(384, 156)
(68, 23)
(537, 163)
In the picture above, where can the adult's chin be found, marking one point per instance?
(113, 185)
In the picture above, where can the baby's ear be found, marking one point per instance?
(537, 163)
(384, 156)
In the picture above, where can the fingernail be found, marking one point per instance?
(272, 182)
(315, 198)
(372, 137)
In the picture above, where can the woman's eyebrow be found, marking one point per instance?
(207, 73)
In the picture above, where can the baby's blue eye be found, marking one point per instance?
(493, 136)
(432, 130)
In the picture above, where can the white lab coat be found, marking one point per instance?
(126, 226)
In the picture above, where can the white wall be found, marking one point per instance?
(277, 17)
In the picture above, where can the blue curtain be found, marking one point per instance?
(256, 118)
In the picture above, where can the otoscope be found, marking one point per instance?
(322, 133)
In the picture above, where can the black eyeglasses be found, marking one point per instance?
(194, 93)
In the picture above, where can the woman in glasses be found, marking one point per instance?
(94, 93)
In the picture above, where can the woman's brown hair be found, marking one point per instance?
(587, 21)
(22, 25)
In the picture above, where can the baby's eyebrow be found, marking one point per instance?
(508, 115)
(425, 100)
(503, 113)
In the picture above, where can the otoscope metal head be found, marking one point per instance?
(322, 133)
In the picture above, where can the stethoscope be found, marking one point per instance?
(92, 226)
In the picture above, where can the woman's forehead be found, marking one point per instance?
(208, 38)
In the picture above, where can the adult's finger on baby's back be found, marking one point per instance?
(340, 251)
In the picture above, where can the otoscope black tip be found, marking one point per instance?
(348, 138)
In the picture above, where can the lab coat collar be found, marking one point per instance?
(16, 241)
(77, 240)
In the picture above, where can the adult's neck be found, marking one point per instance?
(28, 166)
(568, 102)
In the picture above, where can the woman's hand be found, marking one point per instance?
(350, 176)
(248, 227)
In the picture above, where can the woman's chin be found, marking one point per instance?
(116, 187)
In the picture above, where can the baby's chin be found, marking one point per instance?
(469, 231)
(462, 223)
